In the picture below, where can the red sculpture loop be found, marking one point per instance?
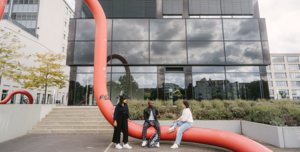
(9, 96)
(220, 138)
(2, 7)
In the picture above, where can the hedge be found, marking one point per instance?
(272, 112)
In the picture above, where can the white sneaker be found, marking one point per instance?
(174, 146)
(144, 143)
(170, 129)
(118, 146)
(126, 146)
(157, 145)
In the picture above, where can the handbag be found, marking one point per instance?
(153, 140)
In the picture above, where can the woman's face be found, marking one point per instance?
(183, 106)
(124, 101)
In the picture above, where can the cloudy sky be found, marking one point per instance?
(282, 22)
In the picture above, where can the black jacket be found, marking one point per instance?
(120, 110)
(147, 113)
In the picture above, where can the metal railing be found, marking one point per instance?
(5, 17)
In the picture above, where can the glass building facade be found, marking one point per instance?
(152, 55)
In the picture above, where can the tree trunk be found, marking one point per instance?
(45, 94)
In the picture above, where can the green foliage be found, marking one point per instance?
(272, 112)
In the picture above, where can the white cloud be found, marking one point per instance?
(283, 24)
(71, 3)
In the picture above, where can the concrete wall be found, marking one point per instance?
(291, 137)
(225, 125)
(266, 133)
(16, 120)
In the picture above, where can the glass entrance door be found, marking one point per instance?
(174, 86)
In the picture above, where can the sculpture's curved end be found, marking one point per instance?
(220, 138)
(2, 7)
(10, 95)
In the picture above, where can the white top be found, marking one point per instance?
(151, 117)
(187, 115)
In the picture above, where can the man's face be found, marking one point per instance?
(151, 104)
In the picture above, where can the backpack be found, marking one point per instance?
(153, 140)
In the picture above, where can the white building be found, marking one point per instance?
(284, 76)
(44, 27)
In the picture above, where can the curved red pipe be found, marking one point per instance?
(2, 7)
(10, 95)
(220, 138)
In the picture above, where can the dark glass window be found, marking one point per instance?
(168, 53)
(85, 29)
(132, 52)
(174, 86)
(89, 69)
(167, 29)
(135, 69)
(204, 29)
(130, 29)
(241, 29)
(206, 53)
(208, 69)
(84, 52)
(144, 86)
(119, 86)
(244, 86)
(209, 86)
(242, 69)
(243, 53)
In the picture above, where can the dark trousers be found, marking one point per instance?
(147, 125)
(122, 123)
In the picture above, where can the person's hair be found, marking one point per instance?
(186, 104)
(121, 99)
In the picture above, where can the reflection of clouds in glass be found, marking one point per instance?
(130, 29)
(85, 79)
(204, 29)
(145, 80)
(207, 68)
(168, 53)
(206, 53)
(242, 77)
(135, 69)
(208, 76)
(133, 52)
(175, 78)
(167, 29)
(241, 29)
(85, 29)
(84, 52)
(243, 53)
(85, 69)
(242, 68)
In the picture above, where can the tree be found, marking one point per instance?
(47, 74)
(9, 66)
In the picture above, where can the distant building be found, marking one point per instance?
(44, 27)
(284, 76)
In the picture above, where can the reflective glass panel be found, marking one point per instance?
(293, 58)
(206, 53)
(167, 29)
(243, 53)
(241, 29)
(279, 67)
(204, 29)
(209, 86)
(130, 29)
(144, 86)
(85, 29)
(294, 75)
(242, 68)
(119, 85)
(168, 53)
(90, 69)
(294, 66)
(207, 69)
(132, 52)
(280, 75)
(278, 58)
(174, 86)
(135, 69)
(243, 86)
(281, 84)
(84, 52)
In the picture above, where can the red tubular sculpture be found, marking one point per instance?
(220, 138)
(9, 96)
(2, 7)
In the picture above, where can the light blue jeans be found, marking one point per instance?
(183, 127)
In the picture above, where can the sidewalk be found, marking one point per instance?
(99, 143)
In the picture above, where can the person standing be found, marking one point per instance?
(185, 122)
(150, 115)
(121, 118)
